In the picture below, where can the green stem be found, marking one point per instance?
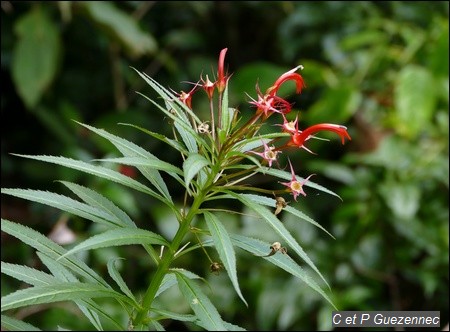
(168, 257)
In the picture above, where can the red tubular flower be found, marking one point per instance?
(294, 186)
(298, 138)
(208, 86)
(221, 76)
(288, 76)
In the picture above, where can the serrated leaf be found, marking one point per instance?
(224, 247)
(169, 279)
(99, 201)
(99, 171)
(36, 55)
(122, 26)
(56, 293)
(153, 163)
(88, 307)
(119, 237)
(284, 261)
(12, 324)
(129, 149)
(53, 250)
(200, 304)
(173, 315)
(192, 165)
(27, 274)
(288, 176)
(271, 202)
(115, 275)
(64, 203)
(278, 227)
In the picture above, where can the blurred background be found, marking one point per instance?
(378, 67)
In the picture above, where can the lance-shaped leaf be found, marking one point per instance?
(96, 170)
(12, 324)
(56, 293)
(200, 304)
(99, 201)
(268, 201)
(129, 149)
(119, 237)
(279, 228)
(53, 250)
(87, 306)
(224, 247)
(65, 203)
(27, 274)
(192, 165)
(115, 275)
(169, 279)
(261, 249)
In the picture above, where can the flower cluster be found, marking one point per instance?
(266, 105)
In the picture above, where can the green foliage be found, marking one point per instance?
(380, 68)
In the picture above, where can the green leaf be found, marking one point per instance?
(121, 26)
(287, 176)
(173, 315)
(88, 307)
(415, 99)
(271, 202)
(192, 165)
(129, 149)
(224, 247)
(56, 293)
(173, 143)
(64, 203)
(115, 275)
(27, 274)
(284, 261)
(36, 55)
(12, 324)
(95, 170)
(99, 201)
(54, 251)
(279, 228)
(119, 237)
(149, 162)
(200, 304)
(169, 279)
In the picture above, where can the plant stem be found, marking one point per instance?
(169, 255)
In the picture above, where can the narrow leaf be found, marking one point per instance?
(268, 201)
(279, 228)
(99, 201)
(149, 162)
(192, 165)
(115, 275)
(169, 279)
(200, 304)
(27, 274)
(284, 261)
(129, 149)
(173, 315)
(56, 293)
(225, 249)
(119, 237)
(99, 171)
(64, 203)
(53, 250)
(12, 324)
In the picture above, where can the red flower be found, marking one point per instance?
(186, 97)
(221, 76)
(208, 86)
(268, 104)
(298, 138)
(294, 186)
(288, 76)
